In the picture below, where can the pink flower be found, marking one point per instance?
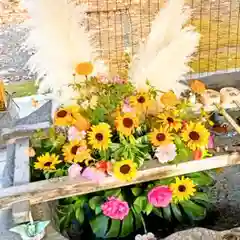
(103, 79)
(211, 142)
(126, 108)
(115, 208)
(117, 80)
(93, 174)
(160, 196)
(74, 171)
(74, 134)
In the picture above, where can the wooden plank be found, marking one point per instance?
(20, 210)
(57, 188)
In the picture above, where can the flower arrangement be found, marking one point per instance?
(114, 137)
(114, 125)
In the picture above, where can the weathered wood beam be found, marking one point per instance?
(57, 188)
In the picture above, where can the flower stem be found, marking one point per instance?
(144, 225)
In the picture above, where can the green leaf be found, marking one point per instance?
(127, 225)
(167, 213)
(112, 192)
(94, 202)
(177, 212)
(137, 217)
(166, 181)
(193, 210)
(99, 225)
(201, 179)
(136, 191)
(158, 212)
(201, 196)
(148, 208)
(178, 141)
(79, 214)
(140, 203)
(114, 229)
(98, 210)
(114, 146)
(183, 155)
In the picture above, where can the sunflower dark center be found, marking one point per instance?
(170, 120)
(127, 122)
(194, 135)
(160, 137)
(141, 99)
(62, 114)
(99, 136)
(181, 188)
(74, 150)
(125, 169)
(47, 164)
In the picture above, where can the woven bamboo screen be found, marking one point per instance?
(119, 25)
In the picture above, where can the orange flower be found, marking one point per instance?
(35, 103)
(84, 68)
(104, 166)
(197, 154)
(81, 123)
(30, 152)
(169, 99)
(197, 86)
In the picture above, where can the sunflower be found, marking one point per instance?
(140, 101)
(126, 123)
(170, 120)
(125, 170)
(76, 151)
(182, 189)
(160, 136)
(99, 136)
(47, 162)
(195, 135)
(66, 116)
(62, 117)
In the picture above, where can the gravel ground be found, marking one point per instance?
(12, 58)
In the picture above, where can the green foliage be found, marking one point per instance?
(78, 208)
(70, 209)
(131, 148)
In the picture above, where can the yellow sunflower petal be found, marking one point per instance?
(62, 117)
(126, 123)
(70, 150)
(182, 189)
(160, 136)
(100, 136)
(47, 162)
(141, 101)
(125, 170)
(195, 135)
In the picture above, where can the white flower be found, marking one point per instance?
(147, 236)
(85, 104)
(166, 153)
(100, 68)
(93, 102)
